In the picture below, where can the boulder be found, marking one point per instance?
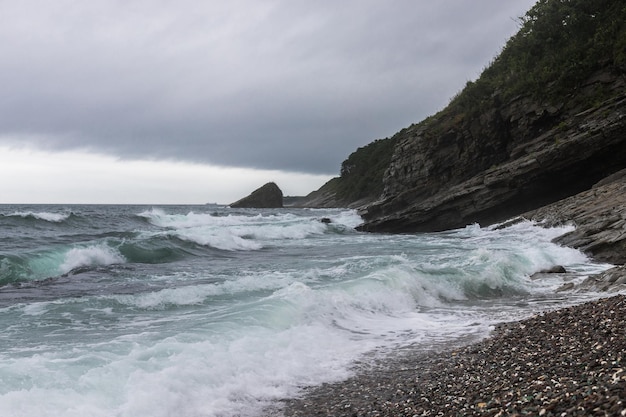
(268, 196)
(556, 269)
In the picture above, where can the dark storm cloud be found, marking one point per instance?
(291, 85)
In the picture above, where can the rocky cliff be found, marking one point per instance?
(361, 178)
(544, 121)
(515, 157)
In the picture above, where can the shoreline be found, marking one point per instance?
(565, 362)
(570, 360)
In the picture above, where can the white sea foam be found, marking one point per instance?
(58, 261)
(183, 296)
(241, 232)
(348, 218)
(97, 255)
(175, 376)
(49, 217)
(218, 238)
(36, 309)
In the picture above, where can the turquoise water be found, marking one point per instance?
(211, 311)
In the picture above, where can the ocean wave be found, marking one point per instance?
(225, 333)
(55, 261)
(12, 269)
(227, 240)
(170, 297)
(44, 216)
(52, 263)
(237, 232)
(156, 250)
(90, 256)
(159, 217)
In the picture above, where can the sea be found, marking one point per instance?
(188, 311)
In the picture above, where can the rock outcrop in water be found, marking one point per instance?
(268, 196)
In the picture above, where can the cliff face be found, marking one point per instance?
(512, 158)
(544, 121)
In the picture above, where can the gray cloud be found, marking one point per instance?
(291, 85)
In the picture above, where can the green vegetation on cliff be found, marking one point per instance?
(362, 173)
(559, 46)
(361, 179)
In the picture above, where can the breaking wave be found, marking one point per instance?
(44, 216)
(246, 232)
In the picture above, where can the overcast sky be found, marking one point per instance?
(149, 101)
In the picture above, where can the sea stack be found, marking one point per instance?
(268, 196)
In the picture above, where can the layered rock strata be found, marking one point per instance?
(599, 215)
(528, 156)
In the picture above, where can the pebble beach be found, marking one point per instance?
(568, 362)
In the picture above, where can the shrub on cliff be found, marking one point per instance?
(362, 173)
(559, 44)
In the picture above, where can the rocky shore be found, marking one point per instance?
(509, 145)
(599, 215)
(568, 362)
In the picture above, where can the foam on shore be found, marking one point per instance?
(565, 362)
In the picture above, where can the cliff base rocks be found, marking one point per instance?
(599, 215)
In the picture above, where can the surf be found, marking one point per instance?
(178, 310)
(41, 216)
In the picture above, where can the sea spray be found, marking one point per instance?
(235, 232)
(89, 256)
